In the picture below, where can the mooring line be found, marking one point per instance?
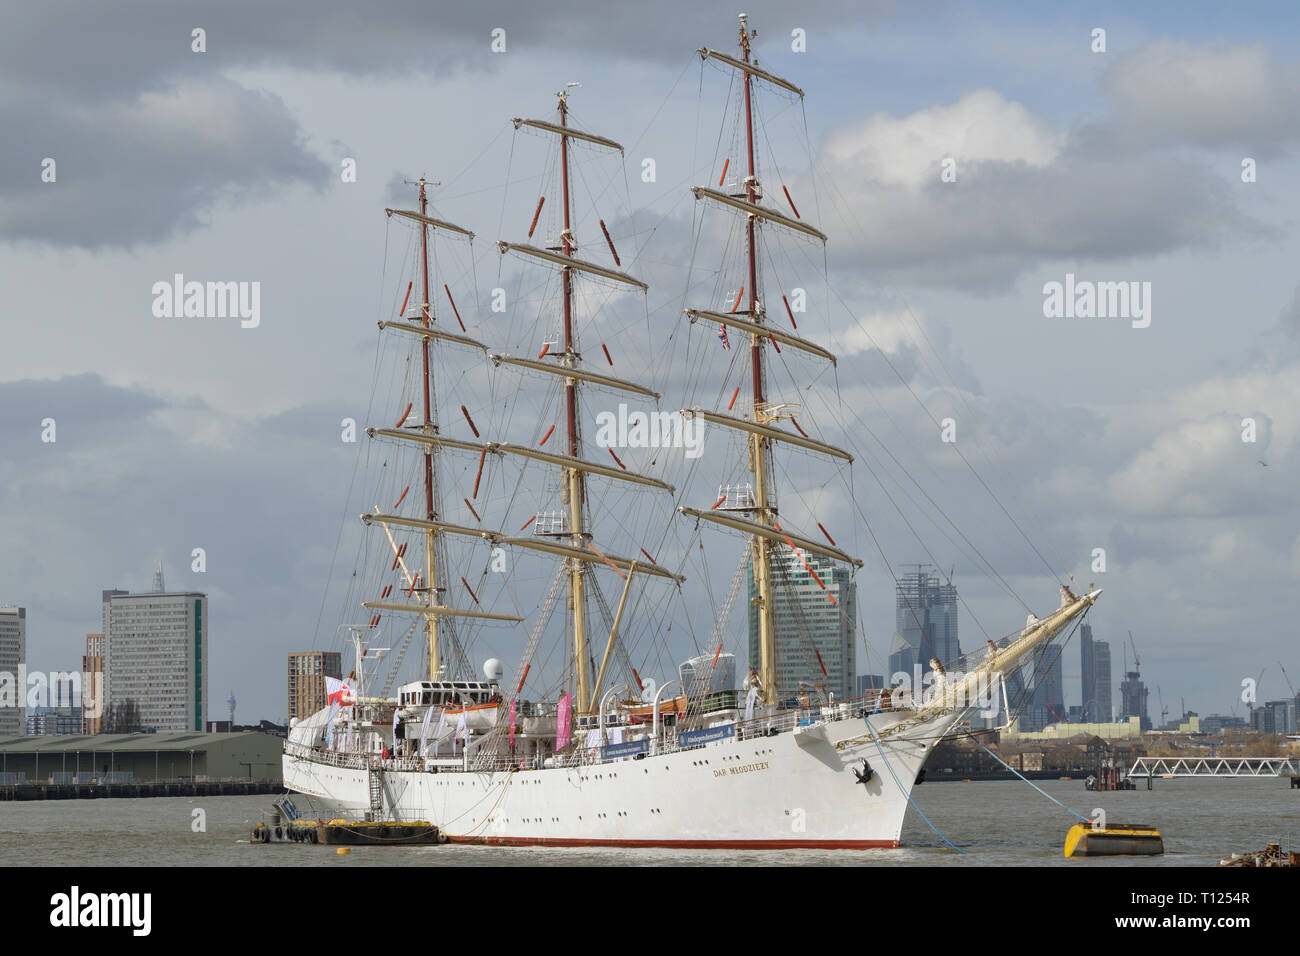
(1031, 783)
(905, 792)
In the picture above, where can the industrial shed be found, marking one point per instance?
(80, 758)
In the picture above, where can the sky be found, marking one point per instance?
(1162, 154)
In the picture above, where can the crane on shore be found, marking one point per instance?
(1287, 679)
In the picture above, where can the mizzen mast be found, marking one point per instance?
(762, 527)
(759, 447)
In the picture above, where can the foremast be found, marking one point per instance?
(424, 589)
(763, 528)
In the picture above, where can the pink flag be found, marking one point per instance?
(563, 718)
(512, 722)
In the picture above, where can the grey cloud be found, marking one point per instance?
(150, 136)
(108, 50)
(1001, 219)
(143, 492)
(141, 170)
(74, 401)
(1210, 96)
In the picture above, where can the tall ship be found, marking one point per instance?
(579, 745)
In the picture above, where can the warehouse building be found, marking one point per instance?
(127, 758)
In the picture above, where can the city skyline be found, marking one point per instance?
(1028, 678)
(1163, 158)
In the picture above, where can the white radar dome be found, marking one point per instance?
(493, 669)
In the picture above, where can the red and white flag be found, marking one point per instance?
(338, 692)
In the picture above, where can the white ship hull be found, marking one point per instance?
(794, 789)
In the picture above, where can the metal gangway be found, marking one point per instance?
(1215, 767)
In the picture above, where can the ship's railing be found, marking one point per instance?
(333, 758)
(369, 761)
(873, 703)
(582, 755)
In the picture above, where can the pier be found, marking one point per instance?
(155, 788)
(1217, 767)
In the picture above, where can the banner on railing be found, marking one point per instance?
(614, 751)
(693, 738)
(563, 719)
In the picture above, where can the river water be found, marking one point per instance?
(997, 823)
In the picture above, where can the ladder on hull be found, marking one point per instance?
(376, 794)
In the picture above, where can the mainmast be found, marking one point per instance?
(573, 478)
(579, 549)
(764, 531)
(430, 536)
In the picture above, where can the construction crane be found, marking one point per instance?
(1137, 661)
(1250, 704)
(1287, 679)
(1164, 711)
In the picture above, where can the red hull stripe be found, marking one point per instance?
(685, 844)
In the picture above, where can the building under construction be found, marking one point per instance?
(925, 624)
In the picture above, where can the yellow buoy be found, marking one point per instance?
(343, 851)
(1117, 839)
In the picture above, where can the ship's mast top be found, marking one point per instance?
(762, 525)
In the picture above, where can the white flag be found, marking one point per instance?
(437, 734)
(424, 730)
(749, 703)
(329, 725)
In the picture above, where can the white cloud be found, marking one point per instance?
(886, 331)
(982, 126)
(1025, 192)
